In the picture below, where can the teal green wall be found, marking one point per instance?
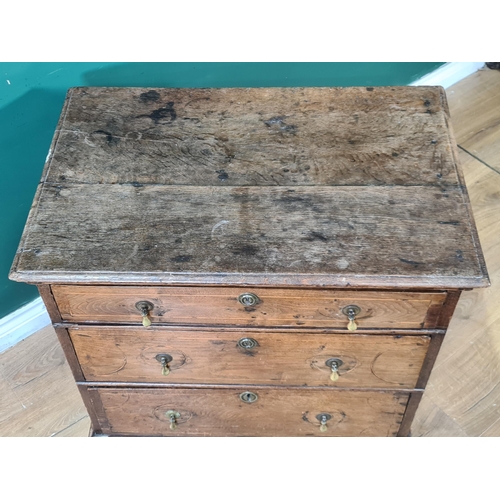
(32, 94)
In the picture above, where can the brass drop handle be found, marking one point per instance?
(164, 359)
(351, 312)
(173, 416)
(323, 419)
(334, 364)
(145, 307)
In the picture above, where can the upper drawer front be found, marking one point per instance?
(276, 412)
(133, 355)
(273, 307)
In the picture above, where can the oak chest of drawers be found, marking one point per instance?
(251, 262)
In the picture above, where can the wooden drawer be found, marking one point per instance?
(221, 412)
(129, 355)
(275, 307)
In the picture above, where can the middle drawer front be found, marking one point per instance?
(133, 355)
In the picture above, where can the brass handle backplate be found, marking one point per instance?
(145, 307)
(351, 312)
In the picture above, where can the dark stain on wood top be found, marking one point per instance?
(294, 186)
(256, 137)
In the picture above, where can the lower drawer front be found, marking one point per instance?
(365, 361)
(222, 412)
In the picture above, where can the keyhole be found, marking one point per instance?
(248, 299)
(248, 397)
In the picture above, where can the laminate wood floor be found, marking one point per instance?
(38, 396)
(462, 397)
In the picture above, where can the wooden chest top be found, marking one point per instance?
(264, 186)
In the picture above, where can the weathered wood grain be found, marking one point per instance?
(238, 137)
(112, 354)
(220, 412)
(220, 306)
(315, 234)
(340, 187)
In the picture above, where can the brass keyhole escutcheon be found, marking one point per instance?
(248, 397)
(323, 419)
(334, 364)
(145, 307)
(247, 343)
(248, 299)
(351, 312)
(173, 416)
(164, 359)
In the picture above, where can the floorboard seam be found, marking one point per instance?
(68, 426)
(478, 159)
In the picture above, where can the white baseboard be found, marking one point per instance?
(449, 74)
(22, 323)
